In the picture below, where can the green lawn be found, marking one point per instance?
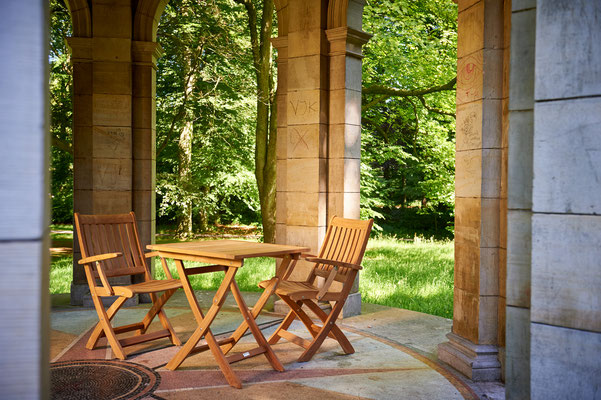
(416, 276)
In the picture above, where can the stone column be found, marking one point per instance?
(144, 56)
(565, 314)
(473, 342)
(281, 45)
(24, 210)
(519, 213)
(344, 139)
(306, 116)
(102, 106)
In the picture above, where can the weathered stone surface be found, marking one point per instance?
(520, 5)
(307, 141)
(501, 316)
(144, 143)
(489, 230)
(520, 159)
(111, 142)
(519, 257)
(467, 259)
(112, 110)
(469, 78)
(345, 107)
(470, 35)
(477, 362)
(344, 141)
(111, 49)
(491, 173)
(143, 112)
(307, 73)
(488, 271)
(463, 4)
(564, 363)
(82, 110)
(305, 209)
(487, 319)
(344, 204)
(468, 173)
(306, 42)
(469, 126)
(111, 202)
(566, 273)
(144, 204)
(303, 107)
(466, 312)
(282, 174)
(493, 74)
(567, 161)
(467, 220)
(517, 353)
(568, 49)
(82, 78)
(111, 174)
(344, 175)
(306, 175)
(143, 174)
(523, 35)
(143, 81)
(112, 78)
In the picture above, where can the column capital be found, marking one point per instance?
(280, 43)
(81, 49)
(347, 41)
(146, 53)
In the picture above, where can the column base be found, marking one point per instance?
(479, 362)
(78, 291)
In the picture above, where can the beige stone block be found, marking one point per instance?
(309, 236)
(307, 141)
(111, 202)
(306, 175)
(305, 209)
(467, 220)
(346, 205)
(470, 78)
(280, 207)
(489, 231)
(144, 174)
(82, 141)
(501, 315)
(307, 73)
(345, 107)
(147, 232)
(112, 142)
(143, 81)
(282, 109)
(144, 144)
(306, 42)
(112, 78)
(492, 74)
(468, 173)
(491, 173)
(344, 175)
(494, 12)
(82, 78)
(111, 49)
(467, 266)
(306, 15)
(344, 141)
(566, 271)
(503, 223)
(280, 232)
(492, 123)
(282, 75)
(282, 144)
(519, 253)
(111, 20)
(83, 178)
(489, 271)
(112, 110)
(470, 30)
(82, 110)
(83, 202)
(112, 174)
(503, 273)
(304, 107)
(143, 112)
(469, 126)
(282, 174)
(488, 319)
(465, 314)
(338, 72)
(464, 4)
(144, 205)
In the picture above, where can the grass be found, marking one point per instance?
(412, 275)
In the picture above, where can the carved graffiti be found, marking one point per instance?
(298, 138)
(303, 107)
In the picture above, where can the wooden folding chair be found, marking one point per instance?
(339, 260)
(110, 247)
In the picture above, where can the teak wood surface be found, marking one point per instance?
(227, 256)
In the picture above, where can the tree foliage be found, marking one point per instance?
(408, 135)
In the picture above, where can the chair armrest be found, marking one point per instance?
(324, 289)
(334, 263)
(163, 263)
(100, 257)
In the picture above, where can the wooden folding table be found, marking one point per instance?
(227, 256)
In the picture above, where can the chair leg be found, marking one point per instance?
(296, 307)
(157, 309)
(105, 324)
(275, 337)
(110, 313)
(335, 333)
(328, 324)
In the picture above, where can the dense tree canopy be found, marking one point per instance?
(216, 117)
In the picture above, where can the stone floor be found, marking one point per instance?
(395, 358)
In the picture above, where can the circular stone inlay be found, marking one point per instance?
(101, 379)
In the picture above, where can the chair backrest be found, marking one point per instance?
(100, 234)
(346, 240)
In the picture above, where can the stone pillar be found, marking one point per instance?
(305, 166)
(144, 56)
(102, 118)
(473, 342)
(344, 138)
(519, 213)
(565, 314)
(24, 214)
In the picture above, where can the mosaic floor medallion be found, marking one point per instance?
(101, 379)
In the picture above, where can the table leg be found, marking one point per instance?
(204, 322)
(256, 332)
